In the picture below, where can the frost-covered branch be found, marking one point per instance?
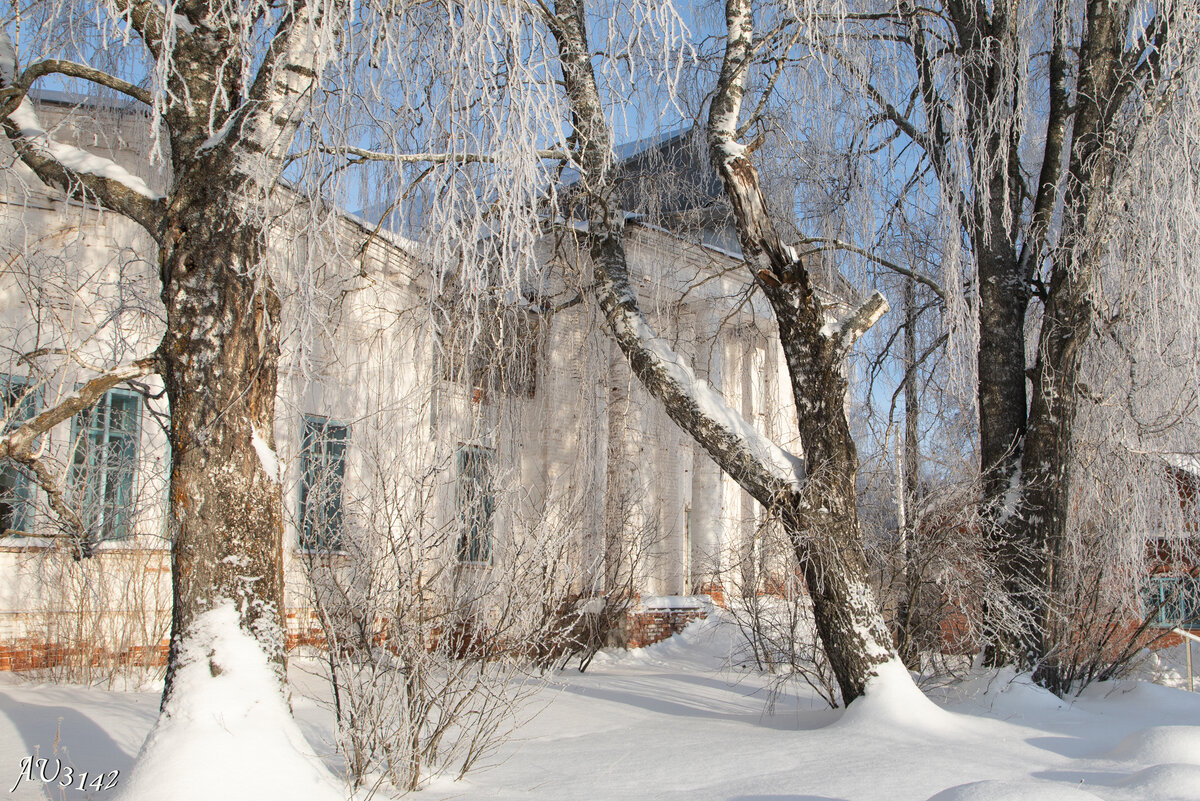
(836, 244)
(358, 154)
(759, 465)
(77, 172)
(71, 69)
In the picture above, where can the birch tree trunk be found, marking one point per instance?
(822, 521)
(219, 355)
(819, 512)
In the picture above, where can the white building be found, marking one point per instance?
(526, 423)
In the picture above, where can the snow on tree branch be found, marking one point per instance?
(760, 466)
(77, 172)
(753, 460)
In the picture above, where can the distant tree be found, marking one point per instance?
(1025, 133)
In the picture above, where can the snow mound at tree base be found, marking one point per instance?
(227, 734)
(892, 701)
(1025, 790)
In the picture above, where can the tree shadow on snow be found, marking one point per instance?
(746, 706)
(81, 743)
(1073, 747)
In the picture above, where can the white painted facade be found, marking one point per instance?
(587, 454)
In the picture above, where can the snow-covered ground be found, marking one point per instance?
(672, 722)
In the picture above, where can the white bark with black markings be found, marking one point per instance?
(820, 512)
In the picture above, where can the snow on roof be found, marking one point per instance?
(645, 144)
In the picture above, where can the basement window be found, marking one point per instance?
(1174, 601)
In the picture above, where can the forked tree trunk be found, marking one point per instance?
(820, 514)
(1106, 79)
(822, 521)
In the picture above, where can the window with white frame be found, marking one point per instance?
(17, 404)
(476, 503)
(322, 475)
(104, 464)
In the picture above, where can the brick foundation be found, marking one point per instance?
(644, 625)
(28, 654)
(648, 626)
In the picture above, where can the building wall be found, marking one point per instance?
(588, 457)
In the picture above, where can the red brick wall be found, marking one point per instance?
(28, 654)
(655, 625)
(643, 627)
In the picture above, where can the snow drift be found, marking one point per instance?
(226, 733)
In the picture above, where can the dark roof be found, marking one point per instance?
(668, 175)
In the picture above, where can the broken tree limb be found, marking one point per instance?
(850, 328)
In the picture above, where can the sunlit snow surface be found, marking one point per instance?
(673, 722)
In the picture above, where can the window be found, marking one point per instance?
(100, 481)
(323, 471)
(1176, 599)
(476, 503)
(494, 350)
(17, 404)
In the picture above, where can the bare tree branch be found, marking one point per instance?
(18, 444)
(79, 173)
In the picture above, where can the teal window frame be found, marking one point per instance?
(1174, 601)
(322, 483)
(17, 490)
(106, 439)
(475, 499)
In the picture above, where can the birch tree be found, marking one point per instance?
(1022, 128)
(234, 96)
(816, 501)
(228, 116)
(226, 86)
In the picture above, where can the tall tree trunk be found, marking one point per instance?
(822, 517)
(1044, 513)
(220, 357)
(1007, 243)
(1106, 79)
(822, 521)
(906, 643)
